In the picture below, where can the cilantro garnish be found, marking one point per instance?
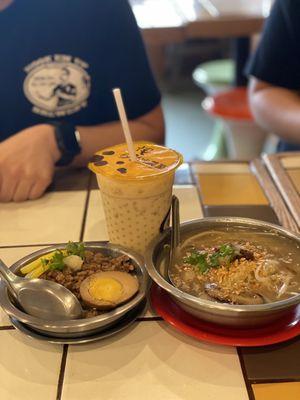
(223, 256)
(76, 249)
(199, 260)
(56, 262)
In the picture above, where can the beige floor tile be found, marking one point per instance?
(13, 254)
(190, 207)
(290, 162)
(149, 311)
(54, 218)
(295, 177)
(95, 228)
(4, 320)
(95, 223)
(231, 189)
(153, 361)
(29, 369)
(277, 391)
(221, 168)
(9, 256)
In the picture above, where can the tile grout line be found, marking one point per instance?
(7, 328)
(88, 189)
(274, 380)
(149, 319)
(244, 372)
(61, 377)
(248, 382)
(17, 246)
(86, 206)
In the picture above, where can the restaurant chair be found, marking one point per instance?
(214, 77)
(245, 139)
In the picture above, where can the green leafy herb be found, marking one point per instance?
(44, 262)
(199, 260)
(204, 262)
(227, 250)
(57, 261)
(76, 249)
(223, 256)
(214, 260)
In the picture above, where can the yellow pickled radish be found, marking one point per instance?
(36, 263)
(37, 272)
(36, 268)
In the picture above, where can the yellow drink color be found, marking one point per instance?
(136, 195)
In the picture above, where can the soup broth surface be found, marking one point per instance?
(240, 267)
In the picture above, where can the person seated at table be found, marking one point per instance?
(60, 61)
(275, 75)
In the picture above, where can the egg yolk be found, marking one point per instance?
(107, 289)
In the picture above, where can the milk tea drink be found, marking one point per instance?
(136, 194)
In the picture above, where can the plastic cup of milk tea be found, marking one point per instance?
(136, 195)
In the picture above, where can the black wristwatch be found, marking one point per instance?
(68, 141)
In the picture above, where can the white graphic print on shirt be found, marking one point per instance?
(57, 85)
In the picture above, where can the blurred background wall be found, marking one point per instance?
(181, 37)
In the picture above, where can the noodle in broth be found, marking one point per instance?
(251, 268)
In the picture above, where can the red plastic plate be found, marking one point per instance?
(280, 331)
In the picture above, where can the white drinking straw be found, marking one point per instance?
(124, 122)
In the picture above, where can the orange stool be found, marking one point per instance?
(245, 139)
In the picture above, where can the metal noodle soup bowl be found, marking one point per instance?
(238, 316)
(84, 326)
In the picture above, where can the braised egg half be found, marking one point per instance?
(108, 289)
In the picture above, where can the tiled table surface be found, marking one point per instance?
(150, 359)
(285, 170)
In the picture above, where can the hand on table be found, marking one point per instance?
(27, 161)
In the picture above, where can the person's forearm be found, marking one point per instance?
(277, 110)
(94, 138)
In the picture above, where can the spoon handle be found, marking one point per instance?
(175, 233)
(9, 277)
(176, 223)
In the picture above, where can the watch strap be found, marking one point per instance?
(67, 141)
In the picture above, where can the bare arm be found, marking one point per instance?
(26, 171)
(148, 127)
(276, 109)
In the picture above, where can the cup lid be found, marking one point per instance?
(152, 160)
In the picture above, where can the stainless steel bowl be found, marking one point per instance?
(220, 313)
(78, 327)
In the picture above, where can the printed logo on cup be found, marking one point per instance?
(57, 85)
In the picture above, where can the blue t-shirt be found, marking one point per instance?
(277, 58)
(60, 60)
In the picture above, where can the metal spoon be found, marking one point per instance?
(41, 298)
(175, 235)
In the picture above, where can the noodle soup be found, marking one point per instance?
(249, 268)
